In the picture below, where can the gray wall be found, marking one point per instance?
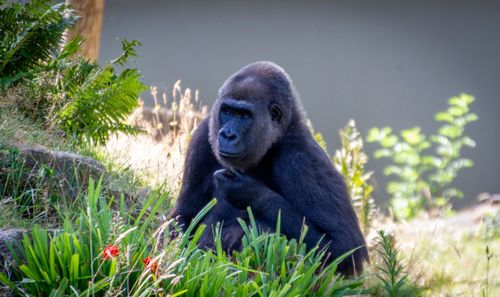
(380, 62)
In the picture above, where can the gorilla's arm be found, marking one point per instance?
(266, 208)
(197, 186)
(306, 178)
(241, 190)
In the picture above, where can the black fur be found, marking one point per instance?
(279, 166)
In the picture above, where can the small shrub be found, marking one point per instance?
(350, 161)
(391, 272)
(423, 181)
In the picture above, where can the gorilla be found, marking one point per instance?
(254, 150)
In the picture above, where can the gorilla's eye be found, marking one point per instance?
(243, 114)
(276, 113)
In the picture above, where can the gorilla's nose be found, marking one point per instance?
(228, 135)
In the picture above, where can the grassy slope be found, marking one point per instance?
(446, 256)
(17, 129)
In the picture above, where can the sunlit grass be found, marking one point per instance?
(447, 256)
(160, 162)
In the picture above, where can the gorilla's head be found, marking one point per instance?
(254, 109)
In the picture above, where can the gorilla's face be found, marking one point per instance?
(252, 112)
(245, 130)
(236, 120)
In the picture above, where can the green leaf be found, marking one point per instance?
(450, 131)
(412, 136)
(456, 111)
(74, 268)
(461, 100)
(5, 280)
(471, 117)
(440, 139)
(431, 160)
(380, 153)
(444, 117)
(389, 141)
(378, 134)
(468, 141)
(59, 292)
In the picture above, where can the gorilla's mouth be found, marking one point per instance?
(230, 155)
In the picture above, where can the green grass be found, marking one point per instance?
(15, 128)
(70, 261)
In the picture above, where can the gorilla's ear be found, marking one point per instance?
(276, 112)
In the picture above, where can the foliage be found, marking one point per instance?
(424, 180)
(111, 252)
(99, 100)
(31, 32)
(86, 100)
(70, 261)
(391, 272)
(350, 161)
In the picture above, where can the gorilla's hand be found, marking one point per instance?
(238, 189)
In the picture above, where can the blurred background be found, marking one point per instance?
(380, 63)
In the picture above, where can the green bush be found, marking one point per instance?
(86, 100)
(423, 180)
(98, 99)
(31, 33)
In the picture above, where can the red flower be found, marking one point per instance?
(110, 251)
(150, 264)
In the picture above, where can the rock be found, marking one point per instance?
(64, 163)
(10, 236)
(55, 174)
(493, 199)
(69, 172)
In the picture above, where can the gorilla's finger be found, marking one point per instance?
(225, 174)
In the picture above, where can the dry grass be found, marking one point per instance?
(158, 154)
(447, 256)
